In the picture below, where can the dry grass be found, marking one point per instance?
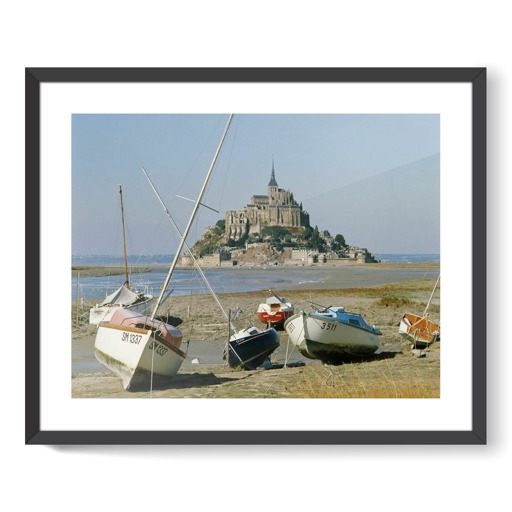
(402, 287)
(394, 302)
(404, 376)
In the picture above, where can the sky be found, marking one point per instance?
(372, 178)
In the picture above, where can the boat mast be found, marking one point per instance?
(431, 296)
(127, 283)
(192, 215)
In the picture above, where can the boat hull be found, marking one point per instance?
(274, 318)
(420, 331)
(250, 351)
(138, 356)
(328, 339)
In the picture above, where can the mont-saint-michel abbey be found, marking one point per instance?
(273, 229)
(277, 208)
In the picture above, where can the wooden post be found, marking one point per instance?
(77, 296)
(229, 334)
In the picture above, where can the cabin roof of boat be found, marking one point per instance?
(274, 300)
(340, 314)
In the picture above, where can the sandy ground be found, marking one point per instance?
(395, 370)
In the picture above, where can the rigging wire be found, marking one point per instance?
(228, 169)
(199, 155)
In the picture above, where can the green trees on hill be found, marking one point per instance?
(220, 227)
(280, 237)
(312, 239)
(340, 239)
(276, 232)
(211, 240)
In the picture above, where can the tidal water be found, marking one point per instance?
(185, 282)
(246, 279)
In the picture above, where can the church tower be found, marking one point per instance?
(273, 187)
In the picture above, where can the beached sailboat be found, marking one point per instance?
(138, 348)
(275, 310)
(332, 334)
(420, 330)
(124, 297)
(249, 348)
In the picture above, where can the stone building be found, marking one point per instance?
(277, 208)
(218, 258)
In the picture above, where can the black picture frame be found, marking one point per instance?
(34, 77)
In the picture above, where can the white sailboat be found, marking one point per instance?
(140, 349)
(124, 297)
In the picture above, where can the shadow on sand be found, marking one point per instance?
(189, 380)
(363, 359)
(277, 366)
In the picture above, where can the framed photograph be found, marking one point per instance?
(255, 256)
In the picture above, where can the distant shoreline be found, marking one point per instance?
(113, 270)
(104, 270)
(99, 270)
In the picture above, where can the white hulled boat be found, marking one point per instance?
(332, 335)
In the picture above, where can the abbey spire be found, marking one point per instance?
(273, 182)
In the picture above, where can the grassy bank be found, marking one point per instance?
(100, 271)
